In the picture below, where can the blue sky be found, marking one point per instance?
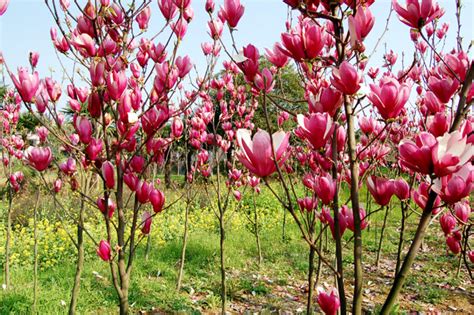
(25, 27)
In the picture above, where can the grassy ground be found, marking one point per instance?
(277, 285)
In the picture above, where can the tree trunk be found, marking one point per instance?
(354, 169)
(35, 252)
(148, 246)
(283, 227)
(337, 234)
(257, 232)
(189, 160)
(222, 256)
(183, 249)
(80, 261)
(8, 238)
(124, 307)
(168, 165)
(400, 241)
(309, 304)
(381, 236)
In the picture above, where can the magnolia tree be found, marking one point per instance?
(403, 132)
(12, 145)
(349, 136)
(130, 86)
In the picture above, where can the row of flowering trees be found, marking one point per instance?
(407, 134)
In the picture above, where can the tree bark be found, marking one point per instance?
(381, 236)
(222, 257)
(168, 166)
(80, 261)
(8, 238)
(183, 249)
(337, 234)
(35, 252)
(257, 232)
(354, 169)
(309, 304)
(400, 241)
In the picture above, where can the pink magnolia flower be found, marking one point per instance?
(137, 163)
(216, 27)
(143, 190)
(317, 129)
(94, 105)
(3, 6)
(381, 189)
(257, 155)
(232, 12)
(349, 214)
(83, 128)
(360, 26)
(108, 174)
(305, 41)
(325, 188)
(184, 65)
(417, 155)
(453, 244)
(26, 84)
(104, 251)
(153, 119)
(329, 302)
(53, 88)
(34, 57)
(157, 199)
(116, 84)
(401, 189)
(39, 158)
(180, 28)
(346, 79)
(420, 196)
(68, 167)
(389, 97)
(57, 185)
(143, 18)
(368, 125)
(85, 44)
(96, 71)
(168, 8)
(94, 149)
(209, 6)
(452, 188)
(276, 56)
(450, 153)
(64, 4)
(237, 195)
(131, 180)
(447, 222)
(326, 218)
(177, 127)
(416, 15)
(146, 223)
(444, 88)
(43, 133)
(462, 211)
(110, 206)
(327, 101)
(470, 254)
(264, 81)
(250, 65)
(438, 124)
